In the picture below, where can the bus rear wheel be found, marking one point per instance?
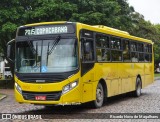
(99, 96)
(137, 92)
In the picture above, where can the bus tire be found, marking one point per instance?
(137, 92)
(99, 96)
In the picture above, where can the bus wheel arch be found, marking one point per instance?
(139, 76)
(104, 84)
(101, 90)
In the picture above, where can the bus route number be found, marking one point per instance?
(30, 32)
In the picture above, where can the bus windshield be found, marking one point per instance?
(43, 56)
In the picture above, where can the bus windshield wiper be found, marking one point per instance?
(31, 47)
(53, 45)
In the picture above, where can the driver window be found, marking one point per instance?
(88, 53)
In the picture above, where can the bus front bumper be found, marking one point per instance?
(50, 92)
(72, 97)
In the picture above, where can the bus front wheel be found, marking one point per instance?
(99, 96)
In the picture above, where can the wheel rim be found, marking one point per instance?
(139, 89)
(99, 96)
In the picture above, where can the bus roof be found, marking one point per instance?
(114, 32)
(98, 28)
(46, 23)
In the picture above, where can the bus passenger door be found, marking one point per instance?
(87, 72)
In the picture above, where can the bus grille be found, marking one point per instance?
(49, 95)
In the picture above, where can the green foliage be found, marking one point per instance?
(113, 13)
(157, 75)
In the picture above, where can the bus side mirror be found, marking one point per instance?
(86, 50)
(8, 51)
(11, 50)
(87, 47)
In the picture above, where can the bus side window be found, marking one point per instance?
(102, 41)
(116, 49)
(134, 56)
(141, 52)
(126, 51)
(115, 43)
(133, 46)
(148, 52)
(150, 48)
(147, 58)
(103, 55)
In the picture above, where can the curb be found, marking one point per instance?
(4, 96)
(157, 78)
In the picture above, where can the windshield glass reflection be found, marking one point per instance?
(59, 55)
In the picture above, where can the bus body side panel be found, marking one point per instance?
(137, 70)
(109, 73)
(148, 73)
(125, 73)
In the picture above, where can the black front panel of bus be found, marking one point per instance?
(46, 77)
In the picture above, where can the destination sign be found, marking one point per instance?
(44, 30)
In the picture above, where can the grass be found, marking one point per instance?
(157, 75)
(1, 96)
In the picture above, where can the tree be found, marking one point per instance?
(113, 13)
(22, 12)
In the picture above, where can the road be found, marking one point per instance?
(148, 102)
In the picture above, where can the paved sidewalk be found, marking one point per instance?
(157, 78)
(9, 105)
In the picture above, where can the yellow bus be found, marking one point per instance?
(70, 63)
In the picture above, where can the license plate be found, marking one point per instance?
(40, 97)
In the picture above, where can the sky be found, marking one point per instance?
(150, 9)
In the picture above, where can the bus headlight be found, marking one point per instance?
(69, 86)
(18, 88)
